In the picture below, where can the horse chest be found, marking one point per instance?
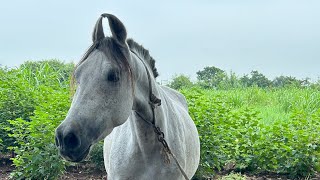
(135, 167)
(128, 161)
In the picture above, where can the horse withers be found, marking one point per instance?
(147, 131)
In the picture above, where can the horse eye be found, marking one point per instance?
(113, 76)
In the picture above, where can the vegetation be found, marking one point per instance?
(34, 99)
(246, 124)
(253, 124)
(211, 77)
(235, 135)
(215, 78)
(181, 81)
(233, 176)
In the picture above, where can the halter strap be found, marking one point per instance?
(153, 101)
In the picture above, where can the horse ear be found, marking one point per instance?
(98, 34)
(119, 32)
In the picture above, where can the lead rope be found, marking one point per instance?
(154, 101)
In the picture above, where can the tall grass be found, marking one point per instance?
(50, 72)
(273, 104)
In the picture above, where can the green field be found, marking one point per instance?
(258, 130)
(242, 129)
(272, 104)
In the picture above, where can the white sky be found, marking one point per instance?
(275, 37)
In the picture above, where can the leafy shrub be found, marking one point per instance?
(180, 81)
(18, 88)
(16, 101)
(35, 100)
(237, 138)
(290, 147)
(226, 136)
(37, 157)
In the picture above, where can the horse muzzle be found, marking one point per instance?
(70, 144)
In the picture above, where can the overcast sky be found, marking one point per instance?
(275, 37)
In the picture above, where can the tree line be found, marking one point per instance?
(212, 77)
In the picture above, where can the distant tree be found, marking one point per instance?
(208, 73)
(211, 77)
(259, 79)
(230, 81)
(245, 81)
(285, 81)
(305, 82)
(255, 79)
(180, 81)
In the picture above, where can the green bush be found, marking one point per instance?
(43, 87)
(37, 156)
(18, 87)
(180, 81)
(226, 136)
(34, 100)
(291, 147)
(237, 138)
(16, 101)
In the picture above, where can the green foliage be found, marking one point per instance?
(180, 81)
(214, 78)
(208, 73)
(233, 176)
(230, 81)
(290, 147)
(226, 136)
(256, 79)
(1, 146)
(19, 89)
(37, 157)
(286, 81)
(240, 137)
(52, 73)
(96, 156)
(35, 100)
(16, 101)
(210, 77)
(259, 79)
(255, 129)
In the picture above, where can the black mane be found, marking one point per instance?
(143, 54)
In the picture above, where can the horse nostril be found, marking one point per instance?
(71, 141)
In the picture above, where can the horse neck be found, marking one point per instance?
(144, 84)
(143, 131)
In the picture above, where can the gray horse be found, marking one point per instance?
(147, 131)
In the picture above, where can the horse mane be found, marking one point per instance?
(144, 54)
